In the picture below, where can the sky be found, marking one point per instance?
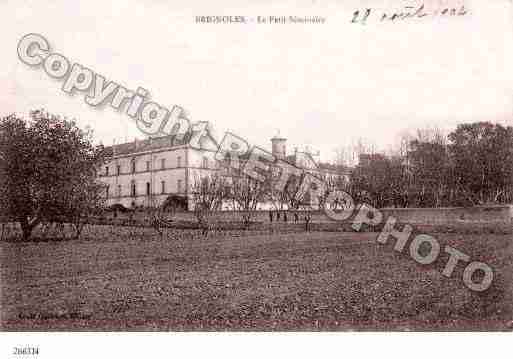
(319, 85)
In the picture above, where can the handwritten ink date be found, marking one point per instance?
(408, 12)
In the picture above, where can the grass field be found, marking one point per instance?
(117, 278)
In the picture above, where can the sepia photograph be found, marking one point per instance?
(254, 168)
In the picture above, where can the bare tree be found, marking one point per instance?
(161, 217)
(208, 194)
(245, 194)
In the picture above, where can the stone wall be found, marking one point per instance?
(485, 214)
(427, 216)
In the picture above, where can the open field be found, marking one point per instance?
(125, 278)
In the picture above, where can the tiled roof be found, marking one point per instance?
(149, 144)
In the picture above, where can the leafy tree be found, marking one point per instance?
(377, 180)
(472, 165)
(431, 172)
(48, 171)
(482, 154)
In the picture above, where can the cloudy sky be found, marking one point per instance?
(320, 85)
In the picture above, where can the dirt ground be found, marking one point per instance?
(121, 278)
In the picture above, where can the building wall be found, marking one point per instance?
(177, 167)
(168, 166)
(202, 163)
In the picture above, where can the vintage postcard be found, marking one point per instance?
(256, 166)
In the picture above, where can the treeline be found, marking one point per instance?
(473, 165)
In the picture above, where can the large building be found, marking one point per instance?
(146, 172)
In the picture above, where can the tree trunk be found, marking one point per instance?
(78, 230)
(27, 228)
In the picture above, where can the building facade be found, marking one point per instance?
(144, 173)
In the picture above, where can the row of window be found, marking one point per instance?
(148, 166)
(205, 164)
(133, 188)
